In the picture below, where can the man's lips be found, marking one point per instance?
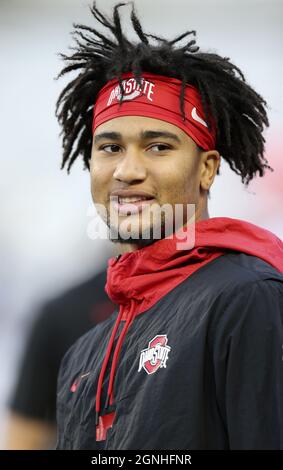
(131, 193)
(128, 208)
(133, 207)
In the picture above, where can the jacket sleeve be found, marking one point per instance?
(248, 364)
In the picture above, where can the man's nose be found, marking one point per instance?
(131, 167)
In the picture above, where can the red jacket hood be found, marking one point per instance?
(142, 277)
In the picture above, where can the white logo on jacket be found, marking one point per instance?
(155, 356)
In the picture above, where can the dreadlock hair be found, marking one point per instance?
(239, 111)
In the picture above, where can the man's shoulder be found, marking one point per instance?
(96, 333)
(233, 285)
(239, 274)
(235, 270)
(254, 267)
(249, 291)
(85, 344)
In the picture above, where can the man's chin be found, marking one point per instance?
(138, 237)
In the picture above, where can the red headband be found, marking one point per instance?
(159, 98)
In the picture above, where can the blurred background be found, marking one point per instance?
(45, 213)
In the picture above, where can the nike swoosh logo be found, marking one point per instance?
(197, 118)
(77, 382)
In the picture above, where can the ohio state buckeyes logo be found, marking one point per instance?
(131, 90)
(155, 356)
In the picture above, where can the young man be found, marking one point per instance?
(192, 359)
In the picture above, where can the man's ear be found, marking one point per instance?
(209, 167)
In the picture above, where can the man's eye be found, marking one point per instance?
(160, 147)
(111, 148)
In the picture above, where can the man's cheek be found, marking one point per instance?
(96, 192)
(98, 183)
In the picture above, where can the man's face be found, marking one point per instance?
(142, 156)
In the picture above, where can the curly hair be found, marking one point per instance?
(238, 110)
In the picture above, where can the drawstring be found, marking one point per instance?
(115, 359)
(114, 363)
(104, 365)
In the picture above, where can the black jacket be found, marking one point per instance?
(202, 368)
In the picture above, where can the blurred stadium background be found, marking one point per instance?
(44, 245)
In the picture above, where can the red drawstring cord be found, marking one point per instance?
(104, 365)
(116, 357)
(114, 363)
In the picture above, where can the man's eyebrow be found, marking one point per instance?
(156, 134)
(144, 135)
(108, 136)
